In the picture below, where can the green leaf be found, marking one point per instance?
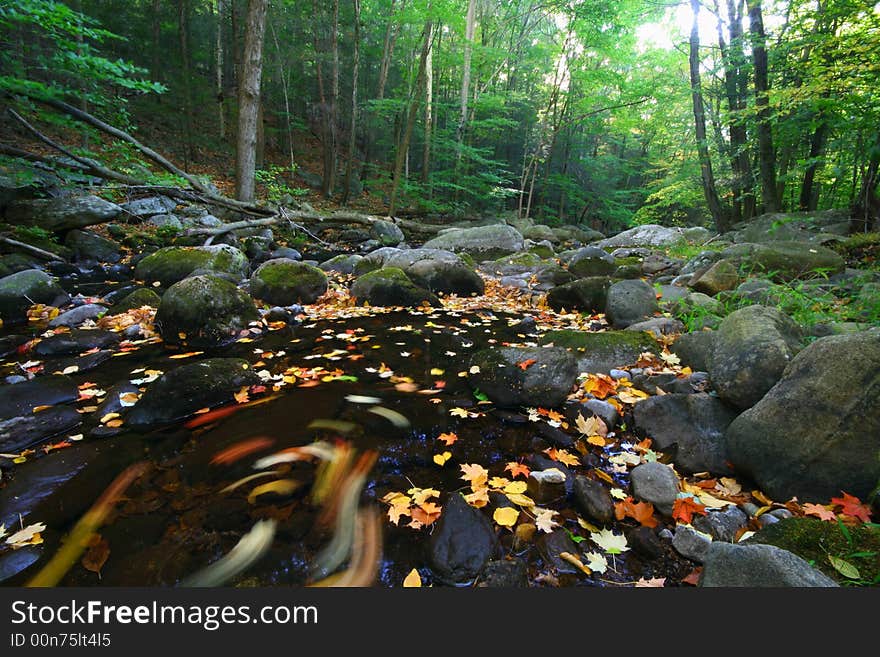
(845, 568)
(480, 395)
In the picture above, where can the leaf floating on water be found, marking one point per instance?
(246, 552)
(362, 399)
(448, 439)
(413, 580)
(339, 426)
(282, 487)
(188, 354)
(319, 449)
(398, 420)
(506, 516)
(241, 449)
(231, 487)
(516, 469)
(128, 398)
(440, 459)
(30, 535)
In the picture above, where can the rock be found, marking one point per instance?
(752, 347)
(695, 349)
(722, 524)
(19, 433)
(659, 326)
(551, 545)
(353, 235)
(207, 310)
(390, 286)
(147, 207)
(50, 390)
(179, 393)
(172, 264)
(700, 262)
(655, 483)
(657, 263)
(546, 382)
(690, 543)
(757, 290)
(646, 235)
(433, 269)
(592, 499)
(167, 221)
(765, 520)
(669, 294)
(462, 542)
(817, 431)
(586, 294)
(693, 425)
(629, 302)
(484, 242)
(784, 261)
(591, 261)
(387, 233)
(544, 486)
(793, 226)
(78, 315)
(509, 573)
(137, 299)
(643, 541)
(728, 564)
(91, 247)
(343, 263)
(607, 412)
(719, 277)
(22, 289)
(601, 352)
(15, 262)
(286, 252)
(62, 213)
(76, 342)
(283, 282)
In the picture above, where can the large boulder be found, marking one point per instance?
(647, 235)
(434, 269)
(601, 352)
(204, 311)
(784, 261)
(734, 564)
(591, 261)
(587, 294)
(752, 347)
(390, 286)
(174, 263)
(483, 242)
(629, 302)
(147, 207)
(793, 226)
(462, 543)
(817, 431)
(19, 291)
(719, 277)
(509, 379)
(137, 299)
(178, 394)
(344, 263)
(282, 282)
(62, 213)
(386, 233)
(88, 246)
(693, 425)
(695, 349)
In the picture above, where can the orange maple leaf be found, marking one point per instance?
(526, 364)
(852, 506)
(562, 456)
(448, 438)
(475, 474)
(515, 469)
(819, 511)
(685, 508)
(425, 513)
(600, 385)
(242, 395)
(643, 512)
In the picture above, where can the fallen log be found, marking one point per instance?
(45, 255)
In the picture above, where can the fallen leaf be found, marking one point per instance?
(521, 500)
(30, 535)
(413, 580)
(631, 395)
(693, 578)
(643, 512)
(448, 439)
(108, 417)
(97, 554)
(475, 474)
(440, 459)
(685, 507)
(655, 582)
(516, 488)
(397, 419)
(844, 567)
(526, 364)
(282, 487)
(609, 541)
(596, 562)
(852, 506)
(515, 469)
(478, 499)
(506, 516)
(574, 561)
(425, 513)
(600, 385)
(562, 456)
(594, 426)
(822, 512)
(544, 520)
(189, 354)
(458, 412)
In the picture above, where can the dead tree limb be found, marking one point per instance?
(12, 151)
(46, 255)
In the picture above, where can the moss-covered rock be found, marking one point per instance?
(13, 262)
(813, 540)
(344, 263)
(22, 289)
(719, 277)
(204, 311)
(140, 297)
(601, 352)
(484, 242)
(89, 246)
(586, 294)
(62, 213)
(591, 261)
(629, 302)
(784, 261)
(282, 282)
(546, 382)
(390, 286)
(174, 263)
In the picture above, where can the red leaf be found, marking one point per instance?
(685, 508)
(526, 364)
(643, 512)
(852, 506)
(693, 577)
(819, 511)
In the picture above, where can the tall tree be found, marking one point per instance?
(766, 151)
(218, 70)
(352, 127)
(719, 216)
(429, 107)
(470, 28)
(249, 99)
(183, 9)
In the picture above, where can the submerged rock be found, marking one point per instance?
(462, 543)
(546, 381)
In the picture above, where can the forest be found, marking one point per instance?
(439, 293)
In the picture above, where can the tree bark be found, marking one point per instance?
(282, 73)
(218, 72)
(719, 216)
(249, 99)
(429, 106)
(809, 197)
(183, 36)
(470, 28)
(352, 128)
(766, 151)
(866, 213)
(155, 68)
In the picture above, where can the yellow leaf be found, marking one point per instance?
(599, 441)
(114, 424)
(37, 409)
(516, 487)
(506, 517)
(574, 561)
(586, 525)
(280, 487)
(440, 459)
(413, 580)
(521, 500)
(458, 412)
(479, 498)
(188, 354)
(436, 371)
(475, 474)
(498, 482)
(108, 417)
(763, 499)
(70, 369)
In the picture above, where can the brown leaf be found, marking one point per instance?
(97, 554)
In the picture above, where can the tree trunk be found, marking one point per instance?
(429, 102)
(766, 152)
(403, 146)
(708, 178)
(249, 99)
(809, 198)
(218, 73)
(183, 36)
(866, 214)
(470, 27)
(156, 68)
(282, 73)
(329, 100)
(352, 128)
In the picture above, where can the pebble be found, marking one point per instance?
(782, 514)
(619, 374)
(665, 533)
(690, 543)
(749, 508)
(767, 519)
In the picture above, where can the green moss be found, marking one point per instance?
(283, 282)
(524, 259)
(814, 540)
(141, 297)
(571, 339)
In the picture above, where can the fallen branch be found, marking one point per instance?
(46, 255)
(54, 163)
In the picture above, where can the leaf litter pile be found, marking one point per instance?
(336, 468)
